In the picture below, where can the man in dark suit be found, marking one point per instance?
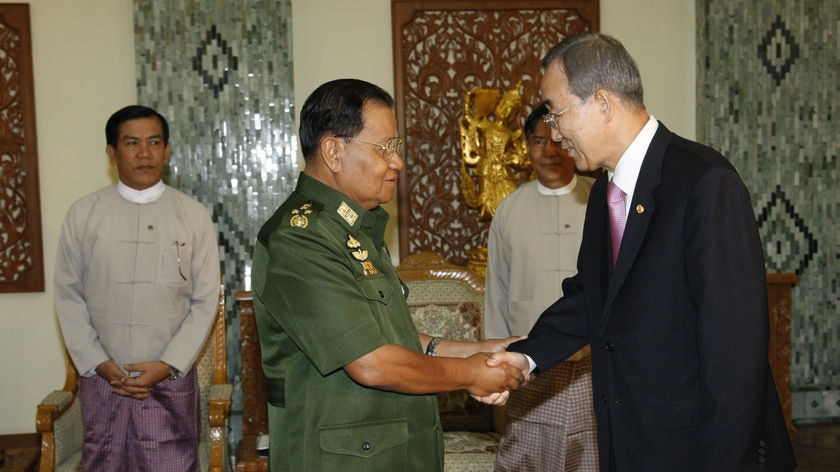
(677, 319)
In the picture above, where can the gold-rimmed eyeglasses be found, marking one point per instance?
(551, 118)
(391, 147)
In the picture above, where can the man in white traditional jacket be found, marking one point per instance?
(533, 245)
(136, 291)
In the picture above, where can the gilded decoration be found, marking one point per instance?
(493, 148)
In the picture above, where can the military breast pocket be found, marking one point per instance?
(377, 289)
(374, 445)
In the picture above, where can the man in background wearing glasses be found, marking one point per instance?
(349, 381)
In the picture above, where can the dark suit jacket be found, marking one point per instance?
(679, 331)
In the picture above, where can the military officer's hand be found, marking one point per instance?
(492, 379)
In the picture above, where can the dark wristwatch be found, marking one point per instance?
(430, 348)
(173, 373)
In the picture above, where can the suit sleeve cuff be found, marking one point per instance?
(532, 365)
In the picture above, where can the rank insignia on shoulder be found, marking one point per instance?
(299, 219)
(369, 268)
(347, 213)
(356, 248)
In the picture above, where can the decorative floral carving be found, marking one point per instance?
(21, 264)
(443, 54)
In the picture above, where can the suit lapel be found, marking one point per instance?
(641, 213)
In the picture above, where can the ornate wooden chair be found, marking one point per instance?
(448, 300)
(59, 417)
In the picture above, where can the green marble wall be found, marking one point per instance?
(768, 98)
(221, 72)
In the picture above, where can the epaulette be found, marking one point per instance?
(299, 217)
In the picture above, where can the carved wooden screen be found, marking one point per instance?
(443, 49)
(21, 256)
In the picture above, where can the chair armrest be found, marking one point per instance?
(59, 421)
(219, 401)
(57, 398)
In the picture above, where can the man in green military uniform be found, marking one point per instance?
(348, 385)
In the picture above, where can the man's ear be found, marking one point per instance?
(331, 152)
(604, 100)
(111, 152)
(606, 103)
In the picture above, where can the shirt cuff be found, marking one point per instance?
(531, 363)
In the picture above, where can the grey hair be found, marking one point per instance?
(593, 61)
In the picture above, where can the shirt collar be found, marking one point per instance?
(627, 170)
(564, 190)
(147, 195)
(341, 208)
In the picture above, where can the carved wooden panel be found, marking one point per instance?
(21, 256)
(443, 49)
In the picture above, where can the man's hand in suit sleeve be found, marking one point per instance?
(514, 359)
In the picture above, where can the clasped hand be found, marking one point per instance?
(511, 362)
(139, 387)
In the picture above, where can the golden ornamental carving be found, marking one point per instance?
(493, 147)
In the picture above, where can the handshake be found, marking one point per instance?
(497, 372)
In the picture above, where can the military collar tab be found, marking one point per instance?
(347, 213)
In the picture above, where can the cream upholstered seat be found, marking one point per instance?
(448, 300)
(59, 417)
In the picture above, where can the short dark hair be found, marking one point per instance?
(534, 117)
(132, 112)
(593, 61)
(336, 108)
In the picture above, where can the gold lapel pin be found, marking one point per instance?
(640, 209)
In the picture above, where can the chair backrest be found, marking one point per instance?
(448, 300)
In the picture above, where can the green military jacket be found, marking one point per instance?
(325, 294)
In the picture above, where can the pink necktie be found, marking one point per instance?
(618, 216)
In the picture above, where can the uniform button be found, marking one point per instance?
(761, 451)
(366, 446)
(609, 346)
(761, 443)
(761, 459)
(603, 398)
